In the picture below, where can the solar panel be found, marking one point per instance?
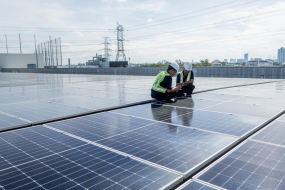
(177, 148)
(7, 122)
(253, 165)
(12, 99)
(218, 122)
(261, 101)
(273, 133)
(99, 126)
(214, 96)
(158, 114)
(89, 102)
(193, 103)
(247, 109)
(194, 185)
(40, 158)
(41, 111)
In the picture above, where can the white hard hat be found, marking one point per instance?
(187, 66)
(175, 66)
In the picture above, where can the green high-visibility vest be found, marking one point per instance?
(182, 75)
(159, 78)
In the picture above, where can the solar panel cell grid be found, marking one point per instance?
(274, 133)
(158, 114)
(215, 96)
(253, 165)
(247, 109)
(42, 158)
(100, 126)
(194, 103)
(261, 101)
(218, 122)
(177, 148)
(7, 122)
(39, 111)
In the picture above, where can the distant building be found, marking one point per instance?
(259, 63)
(245, 57)
(240, 60)
(16, 60)
(281, 55)
(233, 60)
(237, 64)
(225, 60)
(257, 59)
(270, 60)
(229, 64)
(216, 62)
(164, 61)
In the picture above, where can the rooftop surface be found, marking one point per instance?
(231, 138)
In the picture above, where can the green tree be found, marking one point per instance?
(205, 63)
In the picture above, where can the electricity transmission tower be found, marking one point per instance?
(106, 47)
(120, 44)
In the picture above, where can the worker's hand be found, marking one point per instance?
(178, 87)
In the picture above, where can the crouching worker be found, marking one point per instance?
(185, 78)
(162, 87)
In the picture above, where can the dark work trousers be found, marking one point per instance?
(188, 90)
(165, 96)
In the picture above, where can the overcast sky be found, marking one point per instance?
(155, 30)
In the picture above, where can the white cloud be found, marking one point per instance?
(149, 20)
(79, 34)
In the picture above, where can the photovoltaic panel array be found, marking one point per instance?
(254, 165)
(40, 158)
(134, 148)
(41, 96)
(259, 162)
(174, 147)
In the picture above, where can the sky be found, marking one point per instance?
(154, 30)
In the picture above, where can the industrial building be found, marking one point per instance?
(15, 60)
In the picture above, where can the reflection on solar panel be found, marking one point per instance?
(99, 126)
(40, 111)
(194, 185)
(42, 158)
(194, 103)
(7, 122)
(253, 165)
(177, 148)
(274, 133)
(215, 97)
(261, 101)
(218, 122)
(158, 114)
(138, 147)
(247, 109)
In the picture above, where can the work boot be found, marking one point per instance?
(173, 100)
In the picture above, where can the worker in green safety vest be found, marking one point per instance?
(185, 78)
(162, 87)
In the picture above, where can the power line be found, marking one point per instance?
(192, 16)
(275, 32)
(213, 25)
(134, 26)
